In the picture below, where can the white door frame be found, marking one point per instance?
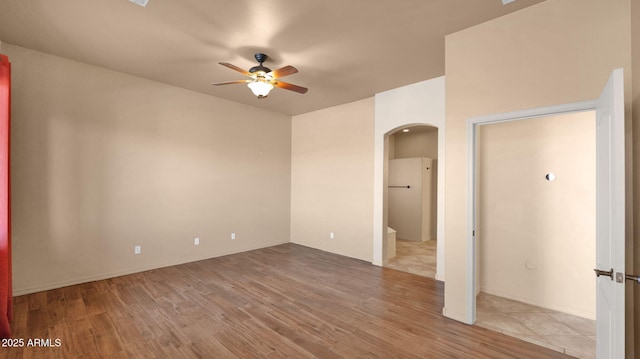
(472, 125)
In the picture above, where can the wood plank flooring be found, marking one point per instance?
(287, 301)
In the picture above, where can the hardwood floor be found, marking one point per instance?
(287, 301)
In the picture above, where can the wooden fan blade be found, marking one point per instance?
(231, 82)
(290, 87)
(282, 72)
(236, 68)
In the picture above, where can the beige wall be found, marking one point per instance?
(332, 179)
(417, 143)
(536, 238)
(103, 161)
(555, 52)
(539, 56)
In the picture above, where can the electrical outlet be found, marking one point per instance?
(137, 249)
(233, 235)
(196, 241)
(331, 236)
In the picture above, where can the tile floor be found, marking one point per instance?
(415, 257)
(565, 333)
(562, 332)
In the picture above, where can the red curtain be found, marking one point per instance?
(6, 295)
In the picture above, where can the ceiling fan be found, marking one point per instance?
(263, 79)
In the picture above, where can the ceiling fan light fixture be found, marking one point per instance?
(260, 88)
(263, 79)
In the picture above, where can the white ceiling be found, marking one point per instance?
(345, 50)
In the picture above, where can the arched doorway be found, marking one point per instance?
(418, 104)
(411, 200)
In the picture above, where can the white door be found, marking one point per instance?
(610, 224)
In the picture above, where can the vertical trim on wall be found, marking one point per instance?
(633, 258)
(471, 224)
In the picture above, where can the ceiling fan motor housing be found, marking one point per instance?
(260, 57)
(260, 68)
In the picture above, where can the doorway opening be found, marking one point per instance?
(610, 209)
(411, 200)
(535, 230)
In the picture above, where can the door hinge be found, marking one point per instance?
(608, 273)
(619, 276)
(632, 277)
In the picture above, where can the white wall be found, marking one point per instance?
(421, 103)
